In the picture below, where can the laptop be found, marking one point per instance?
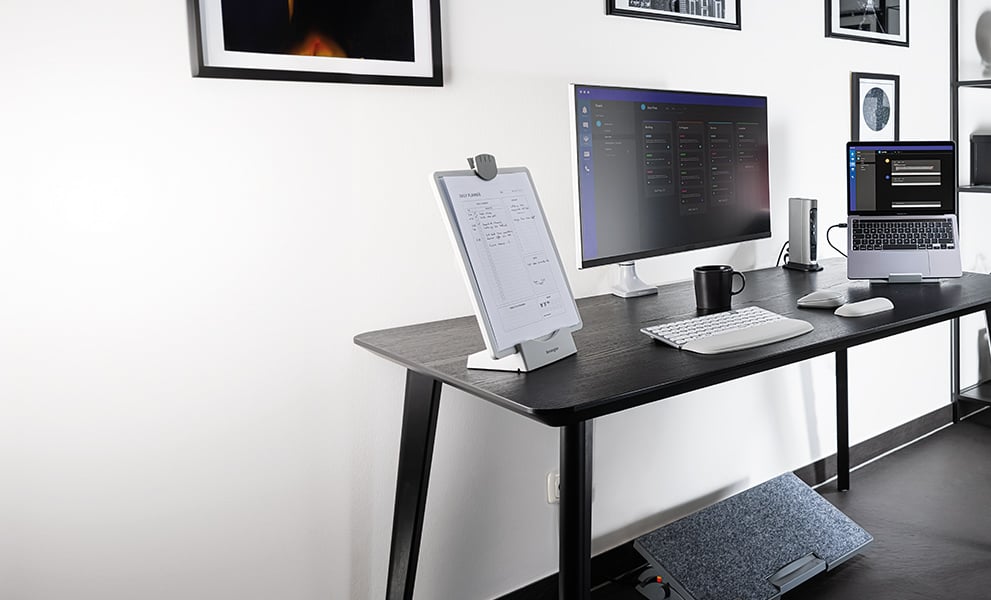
(901, 211)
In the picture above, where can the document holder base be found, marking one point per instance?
(529, 355)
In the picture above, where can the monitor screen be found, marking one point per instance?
(901, 178)
(664, 171)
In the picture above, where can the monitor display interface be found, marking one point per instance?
(901, 178)
(665, 171)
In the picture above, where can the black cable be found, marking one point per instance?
(831, 227)
(782, 253)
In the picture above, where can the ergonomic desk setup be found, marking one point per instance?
(617, 368)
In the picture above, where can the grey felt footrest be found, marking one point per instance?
(755, 545)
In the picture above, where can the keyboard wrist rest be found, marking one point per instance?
(758, 335)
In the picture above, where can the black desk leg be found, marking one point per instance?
(575, 536)
(955, 366)
(842, 423)
(416, 448)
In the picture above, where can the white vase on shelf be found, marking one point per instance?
(983, 37)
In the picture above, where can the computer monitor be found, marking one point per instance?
(660, 171)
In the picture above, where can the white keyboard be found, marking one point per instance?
(728, 331)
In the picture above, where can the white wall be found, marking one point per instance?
(184, 263)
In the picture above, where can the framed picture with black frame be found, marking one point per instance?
(874, 111)
(712, 13)
(879, 21)
(394, 42)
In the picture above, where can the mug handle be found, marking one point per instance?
(743, 283)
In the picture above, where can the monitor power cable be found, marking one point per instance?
(783, 253)
(832, 227)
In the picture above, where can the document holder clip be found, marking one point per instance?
(484, 165)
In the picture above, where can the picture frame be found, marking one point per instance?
(874, 107)
(710, 13)
(878, 21)
(390, 42)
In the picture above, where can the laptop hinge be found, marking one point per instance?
(905, 278)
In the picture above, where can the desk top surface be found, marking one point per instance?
(617, 367)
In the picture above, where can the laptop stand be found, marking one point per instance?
(755, 545)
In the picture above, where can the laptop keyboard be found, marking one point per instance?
(903, 234)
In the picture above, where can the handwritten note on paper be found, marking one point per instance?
(516, 268)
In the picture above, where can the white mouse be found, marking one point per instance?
(821, 299)
(864, 307)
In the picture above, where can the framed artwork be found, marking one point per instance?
(394, 42)
(881, 21)
(873, 107)
(714, 13)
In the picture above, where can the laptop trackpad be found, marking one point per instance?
(910, 262)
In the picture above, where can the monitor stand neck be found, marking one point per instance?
(629, 285)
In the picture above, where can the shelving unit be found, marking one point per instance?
(971, 76)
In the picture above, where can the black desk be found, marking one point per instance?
(618, 368)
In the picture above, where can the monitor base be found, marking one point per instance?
(629, 285)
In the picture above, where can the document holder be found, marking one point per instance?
(756, 545)
(518, 288)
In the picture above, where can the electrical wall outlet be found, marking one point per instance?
(553, 487)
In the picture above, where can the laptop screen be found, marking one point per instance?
(901, 178)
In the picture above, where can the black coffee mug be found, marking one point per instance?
(714, 287)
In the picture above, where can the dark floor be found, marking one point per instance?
(928, 507)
